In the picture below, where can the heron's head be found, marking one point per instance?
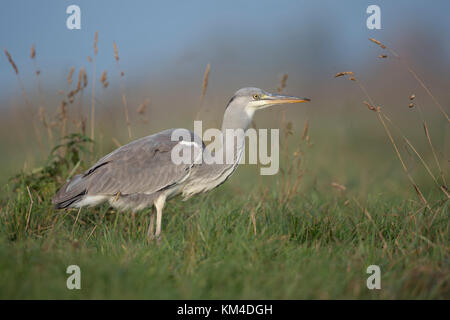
(246, 101)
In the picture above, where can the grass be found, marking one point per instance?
(225, 245)
(309, 232)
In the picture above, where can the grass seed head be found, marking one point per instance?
(33, 52)
(95, 42)
(69, 76)
(338, 186)
(11, 61)
(371, 107)
(143, 107)
(378, 43)
(205, 79)
(282, 83)
(104, 79)
(344, 73)
(85, 80)
(116, 54)
(42, 116)
(80, 75)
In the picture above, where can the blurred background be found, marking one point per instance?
(165, 46)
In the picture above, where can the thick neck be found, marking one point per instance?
(235, 123)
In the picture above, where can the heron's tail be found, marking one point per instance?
(70, 193)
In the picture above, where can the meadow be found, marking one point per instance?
(355, 189)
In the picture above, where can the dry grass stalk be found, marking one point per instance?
(29, 209)
(105, 83)
(378, 43)
(80, 76)
(344, 73)
(253, 220)
(283, 82)
(411, 105)
(76, 220)
(63, 118)
(95, 42)
(292, 172)
(116, 54)
(69, 76)
(91, 233)
(204, 89)
(124, 97)
(43, 118)
(41, 94)
(32, 52)
(25, 97)
(104, 79)
(305, 130)
(11, 61)
(116, 142)
(142, 109)
(427, 134)
(81, 83)
(85, 79)
(205, 82)
(381, 116)
(415, 76)
(369, 216)
(338, 186)
(93, 90)
(287, 130)
(371, 107)
(427, 168)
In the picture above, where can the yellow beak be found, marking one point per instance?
(280, 99)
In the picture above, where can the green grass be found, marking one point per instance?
(317, 245)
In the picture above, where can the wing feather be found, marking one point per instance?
(143, 166)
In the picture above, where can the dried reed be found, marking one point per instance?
(382, 117)
(204, 88)
(93, 90)
(412, 105)
(25, 97)
(122, 90)
(69, 76)
(142, 110)
(287, 129)
(414, 74)
(42, 101)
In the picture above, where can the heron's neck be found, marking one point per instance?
(211, 175)
(234, 126)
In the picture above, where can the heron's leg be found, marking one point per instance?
(150, 231)
(159, 204)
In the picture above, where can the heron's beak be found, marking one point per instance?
(280, 99)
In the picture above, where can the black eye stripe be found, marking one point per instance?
(231, 100)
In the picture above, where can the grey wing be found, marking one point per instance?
(142, 166)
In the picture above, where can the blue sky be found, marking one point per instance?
(178, 38)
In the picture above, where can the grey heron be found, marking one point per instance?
(142, 174)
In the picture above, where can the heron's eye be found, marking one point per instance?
(256, 97)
